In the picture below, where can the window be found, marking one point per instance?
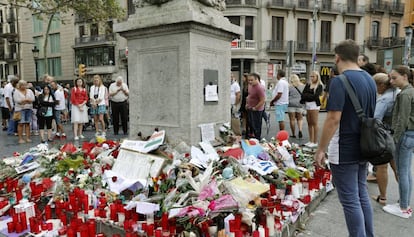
(394, 30)
(234, 20)
(303, 3)
(55, 66)
(37, 24)
(350, 31)
(15, 70)
(94, 29)
(351, 5)
(54, 43)
(55, 24)
(96, 56)
(81, 31)
(326, 5)
(131, 7)
(302, 34)
(277, 28)
(248, 28)
(375, 29)
(326, 36)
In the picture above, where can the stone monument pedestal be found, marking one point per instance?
(174, 51)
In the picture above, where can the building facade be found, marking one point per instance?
(300, 35)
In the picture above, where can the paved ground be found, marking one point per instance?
(328, 219)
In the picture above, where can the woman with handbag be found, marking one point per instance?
(403, 127)
(45, 113)
(97, 97)
(310, 97)
(79, 113)
(23, 100)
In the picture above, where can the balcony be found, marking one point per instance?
(330, 7)
(243, 44)
(237, 3)
(392, 42)
(377, 7)
(303, 46)
(325, 47)
(354, 10)
(9, 57)
(95, 40)
(276, 45)
(374, 42)
(396, 9)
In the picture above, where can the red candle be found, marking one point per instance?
(23, 220)
(71, 232)
(63, 231)
(113, 212)
(158, 233)
(48, 212)
(10, 227)
(238, 233)
(85, 204)
(256, 233)
(18, 227)
(19, 195)
(144, 226)
(84, 232)
(44, 226)
(92, 227)
(150, 230)
(164, 221)
(63, 218)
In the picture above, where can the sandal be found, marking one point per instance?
(380, 200)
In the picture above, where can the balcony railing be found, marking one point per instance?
(396, 8)
(303, 46)
(377, 7)
(10, 56)
(250, 2)
(374, 42)
(325, 47)
(354, 10)
(393, 41)
(276, 45)
(243, 44)
(330, 7)
(95, 39)
(233, 2)
(280, 3)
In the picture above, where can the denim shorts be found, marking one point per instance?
(100, 109)
(26, 116)
(57, 116)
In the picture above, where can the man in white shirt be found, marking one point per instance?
(235, 100)
(118, 93)
(281, 99)
(8, 100)
(59, 108)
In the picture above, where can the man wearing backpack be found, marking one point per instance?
(341, 139)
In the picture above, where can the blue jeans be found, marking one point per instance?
(11, 129)
(403, 158)
(255, 123)
(351, 185)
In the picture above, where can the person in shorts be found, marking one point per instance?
(281, 99)
(60, 108)
(98, 110)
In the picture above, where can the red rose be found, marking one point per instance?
(114, 179)
(66, 179)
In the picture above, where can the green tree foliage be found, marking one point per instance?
(92, 10)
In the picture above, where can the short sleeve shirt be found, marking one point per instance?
(344, 146)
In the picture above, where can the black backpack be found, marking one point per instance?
(376, 141)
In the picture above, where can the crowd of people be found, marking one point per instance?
(388, 96)
(43, 110)
(288, 97)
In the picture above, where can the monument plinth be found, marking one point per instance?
(175, 50)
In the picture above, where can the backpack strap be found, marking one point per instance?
(353, 96)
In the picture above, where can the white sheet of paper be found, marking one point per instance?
(137, 166)
(122, 183)
(147, 207)
(207, 132)
(211, 93)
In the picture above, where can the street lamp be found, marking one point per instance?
(314, 19)
(35, 52)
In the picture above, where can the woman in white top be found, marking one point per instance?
(23, 102)
(97, 98)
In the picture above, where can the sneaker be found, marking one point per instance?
(57, 134)
(81, 136)
(97, 134)
(76, 138)
(36, 133)
(308, 144)
(300, 134)
(313, 145)
(396, 211)
(63, 135)
(103, 134)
